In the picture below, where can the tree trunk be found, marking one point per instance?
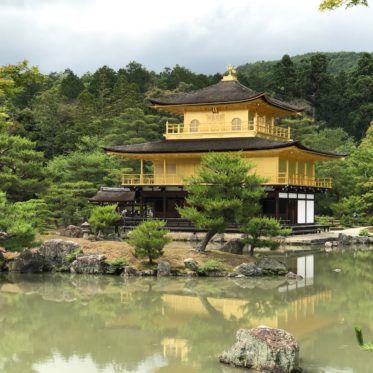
(202, 246)
(252, 247)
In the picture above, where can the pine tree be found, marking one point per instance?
(221, 193)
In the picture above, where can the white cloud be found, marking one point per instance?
(200, 34)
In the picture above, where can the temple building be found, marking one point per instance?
(226, 117)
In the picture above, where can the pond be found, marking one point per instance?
(66, 323)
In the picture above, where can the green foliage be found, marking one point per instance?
(149, 239)
(212, 265)
(260, 231)
(19, 229)
(68, 202)
(221, 193)
(103, 217)
(364, 233)
(334, 4)
(70, 257)
(360, 340)
(35, 211)
(326, 220)
(116, 266)
(21, 173)
(349, 207)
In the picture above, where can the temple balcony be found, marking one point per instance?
(281, 178)
(258, 127)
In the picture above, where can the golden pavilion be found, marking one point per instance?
(224, 117)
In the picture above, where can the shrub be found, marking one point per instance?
(103, 217)
(257, 228)
(212, 265)
(70, 257)
(116, 266)
(364, 232)
(149, 239)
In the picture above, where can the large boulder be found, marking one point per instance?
(130, 271)
(92, 264)
(271, 266)
(28, 261)
(247, 269)
(263, 349)
(191, 264)
(164, 269)
(73, 231)
(233, 246)
(364, 240)
(58, 254)
(344, 239)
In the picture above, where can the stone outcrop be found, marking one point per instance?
(130, 271)
(92, 264)
(270, 266)
(247, 270)
(56, 254)
(191, 264)
(163, 269)
(28, 261)
(263, 267)
(264, 349)
(73, 231)
(2, 260)
(233, 246)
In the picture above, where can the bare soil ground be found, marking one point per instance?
(174, 253)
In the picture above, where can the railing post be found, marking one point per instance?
(141, 171)
(288, 133)
(167, 127)
(164, 171)
(256, 123)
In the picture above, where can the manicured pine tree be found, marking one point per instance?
(221, 193)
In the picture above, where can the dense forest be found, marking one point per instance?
(53, 126)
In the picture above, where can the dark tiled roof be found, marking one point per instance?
(230, 91)
(208, 145)
(113, 195)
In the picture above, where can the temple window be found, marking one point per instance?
(194, 125)
(236, 124)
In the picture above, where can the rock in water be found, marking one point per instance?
(344, 239)
(191, 264)
(271, 266)
(55, 253)
(264, 349)
(2, 260)
(247, 269)
(29, 261)
(164, 269)
(93, 264)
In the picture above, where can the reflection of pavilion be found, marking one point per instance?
(299, 316)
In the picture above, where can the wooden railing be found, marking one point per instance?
(282, 178)
(301, 180)
(255, 127)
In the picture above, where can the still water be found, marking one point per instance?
(77, 324)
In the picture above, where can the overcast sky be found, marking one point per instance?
(203, 35)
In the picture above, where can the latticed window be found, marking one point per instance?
(194, 125)
(236, 124)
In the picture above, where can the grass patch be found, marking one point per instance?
(364, 233)
(212, 265)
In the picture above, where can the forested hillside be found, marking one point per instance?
(52, 128)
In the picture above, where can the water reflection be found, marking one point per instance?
(107, 324)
